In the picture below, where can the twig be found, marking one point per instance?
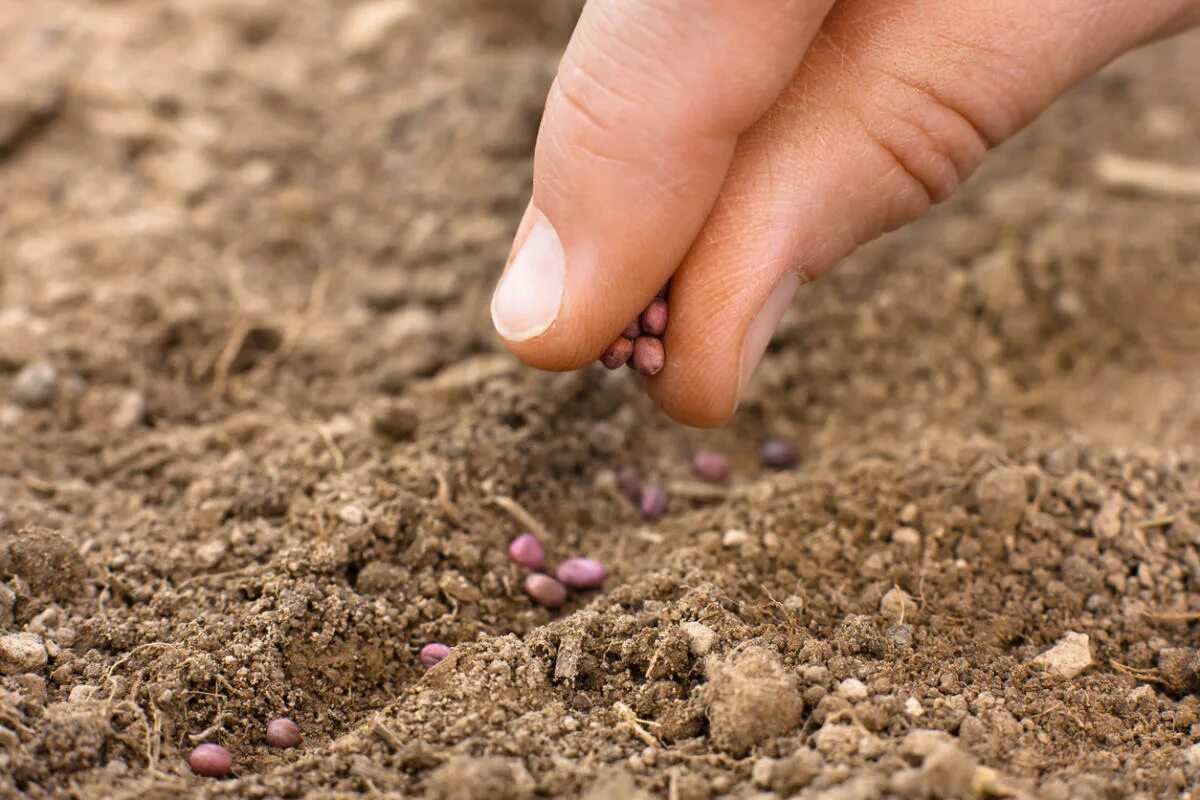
(630, 719)
(1156, 522)
(521, 515)
(387, 736)
(445, 499)
(1156, 178)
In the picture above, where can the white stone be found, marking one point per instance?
(735, 537)
(762, 772)
(352, 515)
(853, 690)
(82, 693)
(1192, 756)
(1070, 657)
(895, 604)
(913, 707)
(22, 652)
(369, 25)
(701, 638)
(906, 537)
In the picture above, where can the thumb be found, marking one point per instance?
(639, 131)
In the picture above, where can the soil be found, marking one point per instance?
(280, 450)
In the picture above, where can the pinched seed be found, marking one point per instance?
(649, 356)
(433, 653)
(618, 353)
(581, 573)
(545, 591)
(653, 503)
(629, 485)
(283, 733)
(711, 466)
(211, 760)
(527, 550)
(777, 453)
(632, 330)
(654, 318)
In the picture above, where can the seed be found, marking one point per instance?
(711, 466)
(653, 503)
(629, 485)
(433, 653)
(545, 591)
(283, 733)
(211, 760)
(777, 453)
(632, 330)
(527, 551)
(618, 353)
(654, 318)
(649, 356)
(582, 573)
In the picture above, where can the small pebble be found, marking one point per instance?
(433, 653)
(211, 760)
(527, 550)
(629, 485)
(283, 733)
(653, 503)
(618, 353)
(777, 453)
(633, 330)
(654, 318)
(649, 357)
(711, 466)
(581, 573)
(352, 515)
(545, 591)
(35, 386)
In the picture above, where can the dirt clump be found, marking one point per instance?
(750, 697)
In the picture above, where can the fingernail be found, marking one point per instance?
(764, 326)
(528, 298)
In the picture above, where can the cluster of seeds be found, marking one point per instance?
(215, 761)
(640, 345)
(574, 573)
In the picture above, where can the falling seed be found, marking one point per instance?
(618, 353)
(653, 503)
(711, 466)
(581, 573)
(629, 485)
(211, 760)
(527, 550)
(545, 591)
(283, 733)
(654, 318)
(433, 653)
(777, 453)
(649, 356)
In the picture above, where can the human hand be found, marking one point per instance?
(743, 147)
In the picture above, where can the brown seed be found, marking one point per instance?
(777, 453)
(654, 318)
(649, 357)
(711, 466)
(211, 760)
(545, 591)
(632, 331)
(629, 485)
(618, 353)
(283, 733)
(653, 503)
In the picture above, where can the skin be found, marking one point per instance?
(743, 147)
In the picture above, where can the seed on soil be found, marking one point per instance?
(629, 485)
(654, 318)
(777, 453)
(211, 760)
(632, 330)
(581, 573)
(618, 353)
(649, 356)
(545, 591)
(433, 653)
(711, 466)
(283, 732)
(653, 503)
(527, 550)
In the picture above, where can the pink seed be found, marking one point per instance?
(777, 453)
(632, 330)
(582, 573)
(618, 353)
(653, 503)
(629, 485)
(283, 733)
(433, 653)
(545, 591)
(649, 357)
(211, 761)
(711, 466)
(654, 318)
(527, 551)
